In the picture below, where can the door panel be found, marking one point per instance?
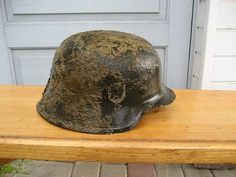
(84, 10)
(225, 42)
(34, 29)
(227, 14)
(51, 35)
(84, 6)
(229, 74)
(35, 62)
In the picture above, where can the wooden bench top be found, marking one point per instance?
(200, 126)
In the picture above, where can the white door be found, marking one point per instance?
(30, 31)
(214, 59)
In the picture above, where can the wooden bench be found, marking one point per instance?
(199, 127)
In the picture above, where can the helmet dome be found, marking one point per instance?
(102, 82)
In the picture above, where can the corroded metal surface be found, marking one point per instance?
(102, 82)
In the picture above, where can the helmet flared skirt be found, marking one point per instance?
(128, 116)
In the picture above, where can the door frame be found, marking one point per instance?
(175, 41)
(6, 75)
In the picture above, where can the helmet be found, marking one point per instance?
(103, 82)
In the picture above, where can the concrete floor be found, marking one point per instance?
(33, 168)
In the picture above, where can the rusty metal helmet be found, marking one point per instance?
(103, 82)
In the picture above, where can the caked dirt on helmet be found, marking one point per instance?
(102, 82)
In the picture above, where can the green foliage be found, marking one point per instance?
(7, 169)
(14, 168)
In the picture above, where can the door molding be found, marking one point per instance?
(6, 76)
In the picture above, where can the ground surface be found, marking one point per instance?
(33, 168)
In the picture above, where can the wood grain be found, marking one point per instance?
(199, 127)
